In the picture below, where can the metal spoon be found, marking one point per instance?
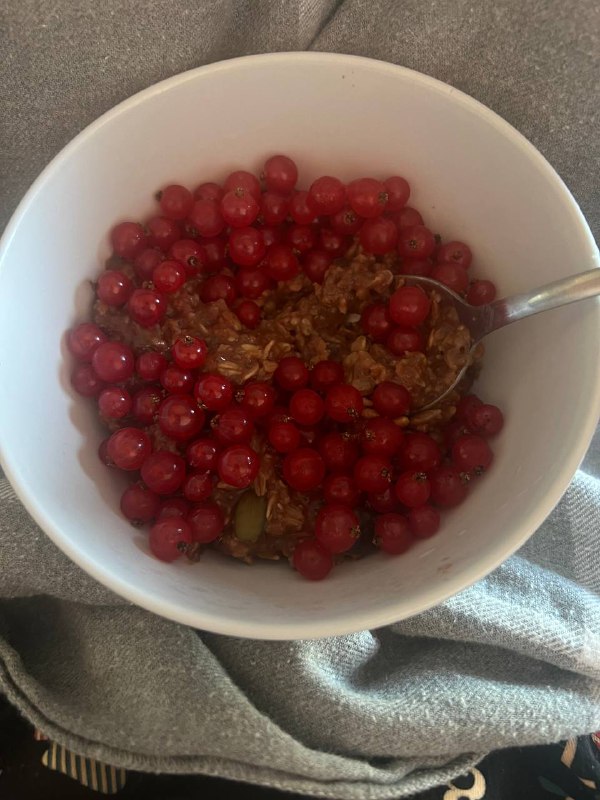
(481, 320)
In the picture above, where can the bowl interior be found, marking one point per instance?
(473, 178)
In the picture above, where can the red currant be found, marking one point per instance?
(291, 374)
(398, 192)
(343, 403)
(85, 381)
(128, 448)
(189, 352)
(162, 233)
(163, 472)
(274, 208)
(325, 374)
(303, 469)
(326, 196)
(246, 246)
(189, 253)
(456, 252)
(169, 538)
(257, 398)
(175, 201)
(409, 306)
(480, 293)
(312, 560)
(139, 504)
(149, 365)
(376, 321)
(420, 267)
(306, 407)
(207, 521)
(238, 465)
(378, 236)
(484, 419)
(392, 534)
(249, 314)
(380, 436)
(113, 288)
(173, 507)
(280, 174)
(448, 487)
(407, 217)
(113, 362)
(415, 241)
(367, 197)
(145, 403)
(169, 276)
(281, 263)
(338, 450)
(239, 209)
(451, 275)
(346, 222)
(404, 340)
(424, 521)
(391, 400)
(146, 307)
(114, 402)
(198, 486)
(372, 473)
(315, 264)
(284, 436)
(339, 488)
(83, 340)
(180, 417)
(301, 238)
(213, 254)
(213, 392)
(218, 287)
(242, 181)
(128, 239)
(208, 191)
(202, 454)
(412, 488)
(233, 426)
(420, 452)
(464, 406)
(471, 454)
(384, 502)
(252, 282)
(176, 380)
(332, 242)
(300, 211)
(337, 528)
(205, 218)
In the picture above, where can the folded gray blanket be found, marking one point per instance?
(515, 659)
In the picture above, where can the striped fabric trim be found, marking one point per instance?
(100, 777)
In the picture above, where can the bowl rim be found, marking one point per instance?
(348, 622)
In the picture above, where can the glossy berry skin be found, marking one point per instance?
(398, 192)
(175, 202)
(412, 489)
(242, 181)
(480, 293)
(315, 264)
(367, 197)
(169, 538)
(113, 362)
(312, 560)
(173, 507)
(281, 263)
(249, 314)
(257, 398)
(283, 436)
(238, 465)
(455, 252)
(376, 321)
(416, 266)
(232, 426)
(407, 217)
(113, 288)
(378, 236)
(145, 403)
(380, 436)
(128, 239)
(384, 502)
(213, 392)
(251, 282)
(163, 472)
(83, 340)
(372, 473)
(274, 208)
(404, 340)
(114, 402)
(146, 307)
(415, 241)
(303, 469)
(169, 276)
(340, 489)
(325, 374)
(203, 454)
(207, 522)
(300, 211)
(246, 246)
(306, 407)
(338, 451)
(451, 275)
(424, 521)
(209, 191)
(180, 417)
(326, 196)
(139, 505)
(464, 406)
(471, 454)
(189, 352)
(218, 287)
(176, 380)
(391, 400)
(484, 420)
(162, 234)
(301, 238)
(188, 253)
(347, 222)
(343, 403)
(85, 381)
(420, 453)
(205, 218)
(392, 534)
(128, 448)
(291, 374)
(409, 306)
(198, 486)
(448, 487)
(337, 528)
(280, 174)
(239, 209)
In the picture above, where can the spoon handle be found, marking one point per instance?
(559, 293)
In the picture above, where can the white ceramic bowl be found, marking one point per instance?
(474, 178)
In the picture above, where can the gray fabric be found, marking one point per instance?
(514, 659)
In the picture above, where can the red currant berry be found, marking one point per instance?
(471, 454)
(412, 488)
(246, 247)
(303, 469)
(257, 398)
(367, 197)
(326, 196)
(280, 174)
(301, 238)
(128, 448)
(343, 403)
(281, 263)
(448, 487)
(291, 374)
(340, 489)
(338, 451)
(176, 380)
(300, 211)
(484, 419)
(391, 400)
(114, 402)
(128, 239)
(372, 473)
(169, 276)
(175, 201)
(163, 472)
(337, 528)
(421, 267)
(173, 507)
(170, 538)
(205, 217)
(198, 486)
(238, 466)
(480, 293)
(404, 340)
(83, 340)
(139, 504)
(424, 521)
(376, 322)
(162, 233)
(384, 502)
(306, 407)
(242, 181)
(381, 437)
(202, 454)
(189, 352)
(284, 436)
(392, 534)
(409, 306)
(451, 275)
(189, 253)
(180, 417)
(346, 222)
(209, 191)
(378, 236)
(252, 282)
(149, 365)
(274, 208)
(398, 192)
(315, 264)
(456, 252)
(233, 426)
(218, 287)
(415, 241)
(325, 374)
(420, 453)
(407, 217)
(213, 392)
(113, 288)
(249, 314)
(146, 307)
(239, 209)
(113, 362)
(85, 381)
(312, 560)
(207, 521)
(464, 406)
(332, 242)
(145, 403)
(213, 253)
